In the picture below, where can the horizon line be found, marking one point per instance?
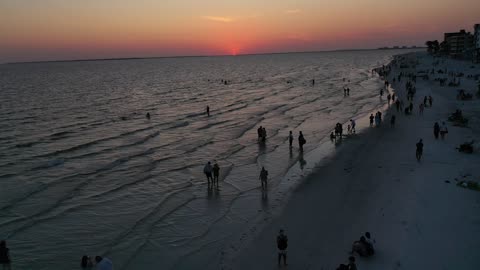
(195, 56)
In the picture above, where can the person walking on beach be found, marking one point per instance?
(419, 151)
(443, 130)
(4, 255)
(352, 122)
(430, 101)
(392, 121)
(208, 110)
(420, 108)
(263, 178)
(282, 244)
(436, 130)
(207, 170)
(216, 172)
(371, 119)
(301, 140)
(290, 139)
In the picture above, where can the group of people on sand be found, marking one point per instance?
(101, 263)
(363, 247)
(212, 173)
(377, 118)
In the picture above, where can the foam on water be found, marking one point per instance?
(84, 172)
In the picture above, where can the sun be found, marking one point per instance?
(234, 51)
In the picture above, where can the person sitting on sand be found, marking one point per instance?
(362, 247)
(103, 263)
(369, 240)
(86, 262)
(351, 263)
(282, 244)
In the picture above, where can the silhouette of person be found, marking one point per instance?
(216, 172)
(208, 110)
(419, 151)
(290, 139)
(301, 140)
(282, 244)
(263, 178)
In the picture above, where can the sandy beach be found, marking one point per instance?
(417, 214)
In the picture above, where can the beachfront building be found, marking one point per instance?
(476, 37)
(459, 44)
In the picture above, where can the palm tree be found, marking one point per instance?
(429, 46)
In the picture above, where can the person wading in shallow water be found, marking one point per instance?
(216, 173)
(301, 140)
(263, 178)
(290, 139)
(282, 244)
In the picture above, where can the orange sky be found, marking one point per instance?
(33, 30)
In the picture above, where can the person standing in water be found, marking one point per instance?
(290, 139)
(419, 151)
(207, 170)
(282, 244)
(216, 172)
(352, 122)
(301, 140)
(263, 178)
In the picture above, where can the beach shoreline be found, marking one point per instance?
(375, 184)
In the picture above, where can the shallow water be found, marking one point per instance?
(83, 171)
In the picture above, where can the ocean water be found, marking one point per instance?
(82, 171)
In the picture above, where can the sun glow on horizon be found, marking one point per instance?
(70, 29)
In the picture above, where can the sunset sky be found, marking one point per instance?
(32, 30)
